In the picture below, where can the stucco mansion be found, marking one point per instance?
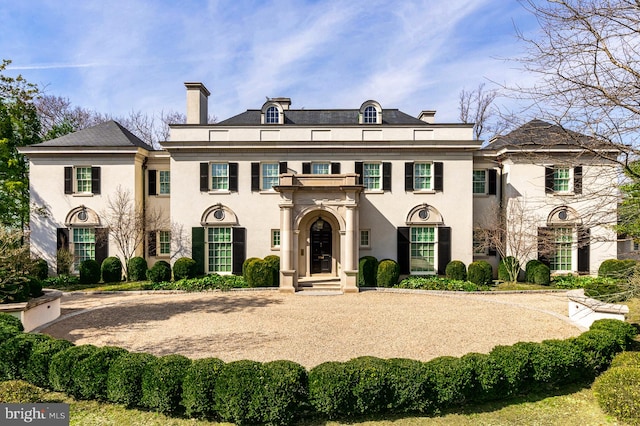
(321, 189)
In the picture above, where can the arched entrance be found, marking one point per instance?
(321, 247)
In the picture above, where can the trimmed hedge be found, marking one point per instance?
(9, 326)
(260, 273)
(185, 268)
(90, 374)
(273, 263)
(198, 387)
(20, 392)
(480, 272)
(111, 270)
(62, 365)
(626, 359)
(388, 273)
(89, 272)
(367, 271)
(456, 270)
(15, 353)
(42, 351)
(124, 380)
(618, 393)
(159, 272)
(237, 392)
(137, 269)
(618, 269)
(162, 383)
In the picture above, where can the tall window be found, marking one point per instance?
(479, 181)
(561, 179)
(165, 181)
(422, 176)
(219, 176)
(563, 241)
(219, 249)
(83, 180)
(272, 115)
(164, 237)
(370, 115)
(423, 249)
(84, 245)
(320, 168)
(275, 238)
(270, 175)
(372, 178)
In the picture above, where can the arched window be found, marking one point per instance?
(370, 115)
(272, 115)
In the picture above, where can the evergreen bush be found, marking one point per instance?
(480, 272)
(159, 272)
(330, 389)
(35, 287)
(89, 272)
(62, 364)
(370, 388)
(542, 275)
(237, 393)
(111, 269)
(184, 267)
(259, 274)
(273, 263)
(456, 270)
(89, 374)
(20, 392)
(618, 269)
(452, 381)
(626, 359)
(529, 270)
(14, 354)
(40, 269)
(137, 268)
(556, 363)
(410, 384)
(388, 273)
(508, 269)
(285, 392)
(37, 368)
(162, 383)
(124, 380)
(618, 393)
(244, 267)
(198, 387)
(367, 271)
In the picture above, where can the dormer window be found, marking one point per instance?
(272, 115)
(370, 113)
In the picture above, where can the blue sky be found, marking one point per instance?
(117, 56)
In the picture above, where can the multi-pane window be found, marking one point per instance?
(275, 238)
(479, 242)
(273, 115)
(479, 181)
(219, 176)
(164, 237)
(561, 179)
(83, 179)
(219, 249)
(372, 178)
(320, 168)
(84, 245)
(370, 115)
(165, 181)
(270, 175)
(422, 176)
(423, 249)
(562, 250)
(365, 240)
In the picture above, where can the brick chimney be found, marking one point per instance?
(197, 103)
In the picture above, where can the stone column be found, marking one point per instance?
(350, 284)
(287, 280)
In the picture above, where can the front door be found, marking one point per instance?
(321, 247)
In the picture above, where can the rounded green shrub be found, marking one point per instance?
(507, 370)
(137, 268)
(452, 380)
(237, 392)
(598, 347)
(480, 272)
(410, 385)
(606, 290)
(89, 374)
(285, 392)
(20, 392)
(35, 287)
(89, 272)
(37, 368)
(617, 269)
(15, 352)
(529, 270)
(556, 363)
(456, 270)
(388, 273)
(11, 321)
(184, 267)
(198, 387)
(124, 380)
(40, 269)
(367, 271)
(62, 365)
(159, 272)
(623, 333)
(162, 383)
(618, 393)
(111, 269)
(273, 263)
(244, 266)
(259, 274)
(626, 359)
(370, 386)
(506, 267)
(542, 275)
(330, 389)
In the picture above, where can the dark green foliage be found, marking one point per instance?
(111, 270)
(137, 268)
(606, 290)
(618, 269)
(162, 383)
(388, 273)
(330, 389)
(370, 388)
(273, 263)
(556, 363)
(480, 272)
(432, 282)
(626, 359)
(208, 282)
(245, 264)
(285, 392)
(537, 272)
(237, 394)
(40, 269)
(35, 287)
(124, 380)
(367, 271)
(14, 354)
(410, 384)
(20, 392)
(623, 332)
(529, 270)
(184, 267)
(508, 269)
(598, 348)
(259, 273)
(618, 393)
(453, 380)
(89, 374)
(456, 270)
(507, 371)
(62, 364)
(42, 351)
(89, 272)
(159, 272)
(61, 281)
(11, 322)
(198, 387)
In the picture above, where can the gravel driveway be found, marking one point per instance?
(267, 325)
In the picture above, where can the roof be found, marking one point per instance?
(107, 134)
(317, 117)
(538, 133)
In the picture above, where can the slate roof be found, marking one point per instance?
(107, 134)
(538, 133)
(322, 117)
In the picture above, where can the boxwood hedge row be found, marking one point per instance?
(281, 392)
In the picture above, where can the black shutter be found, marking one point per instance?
(204, 177)
(335, 168)
(438, 175)
(359, 169)
(95, 180)
(548, 180)
(233, 177)
(102, 244)
(408, 176)
(306, 168)
(152, 243)
(239, 250)
(444, 248)
(283, 167)
(255, 176)
(198, 248)
(577, 180)
(404, 249)
(152, 183)
(386, 176)
(493, 179)
(584, 250)
(68, 180)
(544, 245)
